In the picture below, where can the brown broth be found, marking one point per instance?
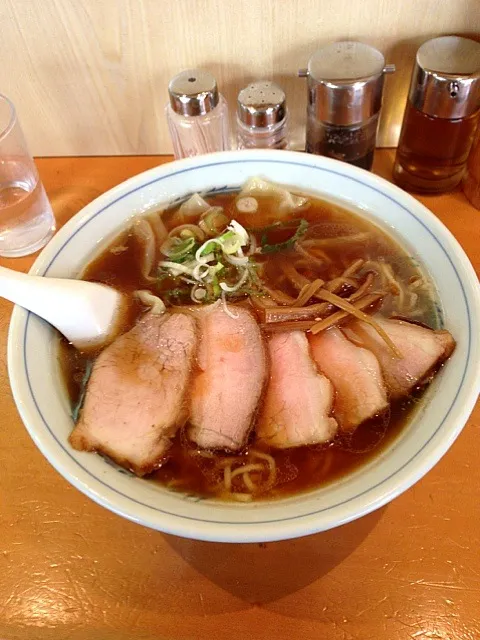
(300, 469)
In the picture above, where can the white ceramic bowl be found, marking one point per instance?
(42, 400)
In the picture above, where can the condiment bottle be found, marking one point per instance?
(441, 115)
(197, 114)
(345, 84)
(471, 183)
(262, 117)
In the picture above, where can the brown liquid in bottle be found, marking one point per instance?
(432, 152)
(471, 185)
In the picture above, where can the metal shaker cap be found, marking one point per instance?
(261, 104)
(345, 82)
(446, 77)
(193, 92)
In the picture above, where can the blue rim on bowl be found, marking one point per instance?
(281, 522)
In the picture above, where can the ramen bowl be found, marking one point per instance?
(43, 403)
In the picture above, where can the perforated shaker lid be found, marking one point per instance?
(345, 82)
(446, 77)
(193, 92)
(261, 104)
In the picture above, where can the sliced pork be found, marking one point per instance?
(422, 351)
(231, 376)
(355, 373)
(298, 403)
(135, 398)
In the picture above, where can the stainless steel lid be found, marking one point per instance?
(193, 92)
(345, 82)
(446, 77)
(261, 104)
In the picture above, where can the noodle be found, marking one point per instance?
(390, 278)
(272, 466)
(277, 295)
(320, 253)
(249, 482)
(227, 477)
(306, 265)
(246, 469)
(241, 497)
(387, 271)
(229, 461)
(301, 281)
(296, 278)
(363, 288)
(353, 268)
(334, 241)
(309, 256)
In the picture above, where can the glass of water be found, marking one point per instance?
(26, 218)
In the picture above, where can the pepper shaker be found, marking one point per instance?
(345, 85)
(262, 117)
(441, 115)
(197, 114)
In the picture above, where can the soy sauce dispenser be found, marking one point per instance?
(345, 85)
(441, 115)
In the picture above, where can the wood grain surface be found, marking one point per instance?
(71, 570)
(90, 77)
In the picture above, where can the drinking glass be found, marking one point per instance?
(26, 219)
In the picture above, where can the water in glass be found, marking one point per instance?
(26, 218)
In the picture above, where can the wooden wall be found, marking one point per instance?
(89, 77)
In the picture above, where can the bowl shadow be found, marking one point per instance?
(68, 201)
(265, 572)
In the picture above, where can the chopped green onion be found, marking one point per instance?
(213, 221)
(208, 247)
(239, 230)
(176, 268)
(230, 288)
(175, 248)
(216, 268)
(231, 242)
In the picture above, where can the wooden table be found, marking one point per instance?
(70, 569)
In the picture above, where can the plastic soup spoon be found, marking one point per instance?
(86, 313)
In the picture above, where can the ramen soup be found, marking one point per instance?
(274, 341)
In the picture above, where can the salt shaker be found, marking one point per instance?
(262, 117)
(345, 84)
(197, 114)
(441, 115)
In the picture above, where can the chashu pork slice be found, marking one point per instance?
(355, 373)
(297, 407)
(422, 351)
(135, 398)
(232, 371)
